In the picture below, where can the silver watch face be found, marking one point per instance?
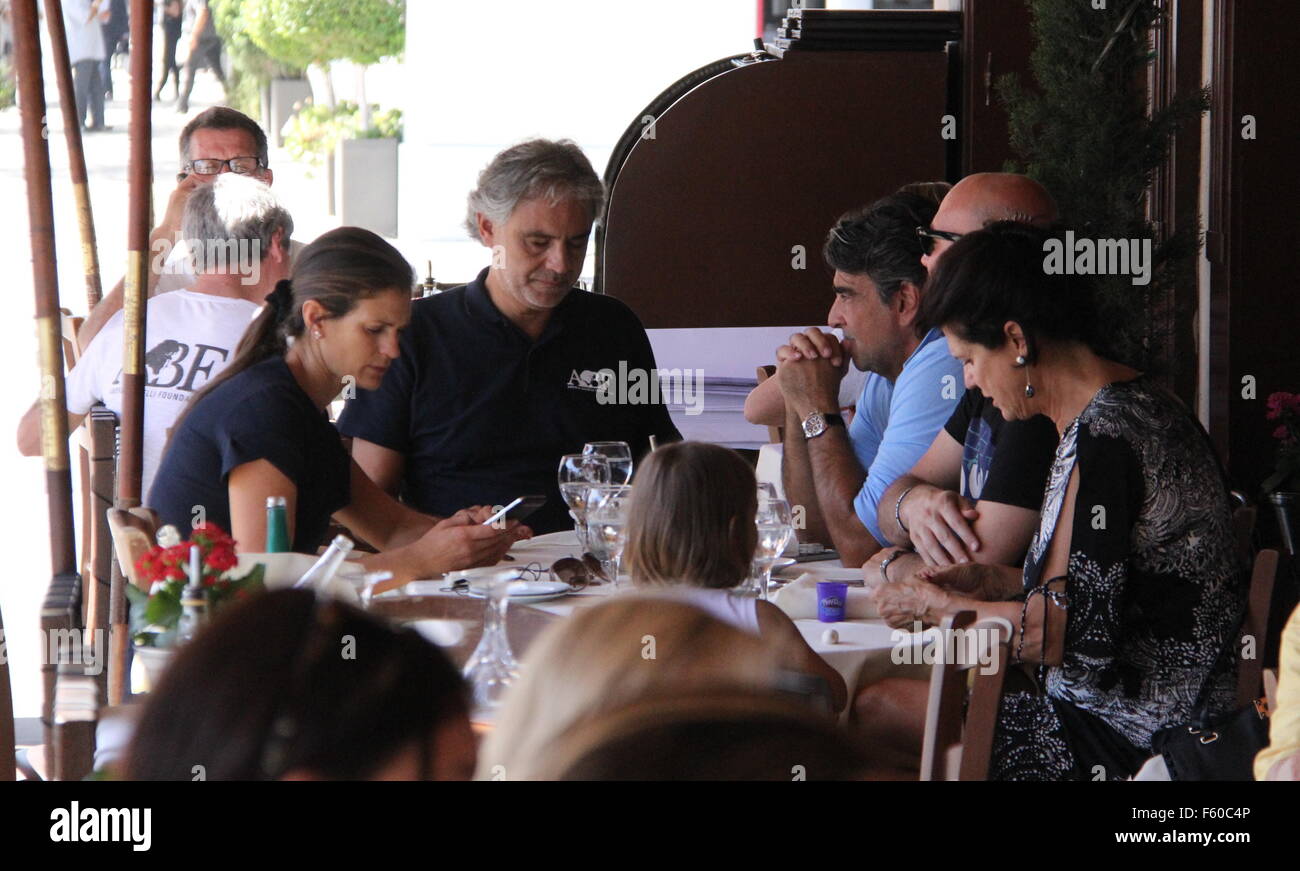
(814, 425)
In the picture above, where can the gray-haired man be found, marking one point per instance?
(238, 236)
(499, 378)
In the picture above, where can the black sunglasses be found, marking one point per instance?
(927, 236)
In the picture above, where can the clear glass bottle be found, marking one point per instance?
(194, 600)
(322, 572)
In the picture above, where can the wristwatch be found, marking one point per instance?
(817, 423)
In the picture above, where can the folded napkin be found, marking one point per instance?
(798, 599)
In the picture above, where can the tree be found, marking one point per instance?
(1088, 137)
(307, 33)
(252, 68)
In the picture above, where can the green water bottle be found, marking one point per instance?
(277, 525)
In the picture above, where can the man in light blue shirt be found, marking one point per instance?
(837, 474)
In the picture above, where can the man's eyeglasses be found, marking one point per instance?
(212, 165)
(928, 235)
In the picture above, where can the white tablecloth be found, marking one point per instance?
(864, 653)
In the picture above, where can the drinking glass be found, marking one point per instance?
(492, 667)
(577, 473)
(775, 529)
(619, 456)
(607, 506)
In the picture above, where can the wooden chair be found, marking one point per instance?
(1249, 671)
(100, 453)
(775, 434)
(133, 532)
(71, 696)
(952, 750)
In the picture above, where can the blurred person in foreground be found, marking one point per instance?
(1132, 590)
(1280, 760)
(611, 655)
(691, 535)
(264, 694)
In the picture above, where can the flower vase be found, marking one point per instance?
(155, 661)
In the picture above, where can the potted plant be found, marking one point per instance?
(260, 85)
(155, 613)
(1282, 488)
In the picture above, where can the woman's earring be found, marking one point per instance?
(315, 334)
(1020, 360)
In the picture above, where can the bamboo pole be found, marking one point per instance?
(139, 176)
(45, 279)
(76, 153)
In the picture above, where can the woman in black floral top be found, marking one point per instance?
(1132, 590)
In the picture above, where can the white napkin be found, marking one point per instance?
(798, 599)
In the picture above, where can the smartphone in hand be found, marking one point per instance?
(516, 510)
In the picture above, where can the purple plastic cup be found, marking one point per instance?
(831, 599)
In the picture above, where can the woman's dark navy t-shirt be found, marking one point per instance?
(260, 414)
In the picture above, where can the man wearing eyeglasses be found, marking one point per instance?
(216, 141)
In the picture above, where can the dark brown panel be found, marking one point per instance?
(703, 217)
(1255, 220)
(996, 40)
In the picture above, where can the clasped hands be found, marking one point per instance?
(809, 370)
(926, 594)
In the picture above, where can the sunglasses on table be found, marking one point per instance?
(927, 236)
(214, 165)
(578, 573)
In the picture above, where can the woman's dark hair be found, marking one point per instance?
(1000, 274)
(880, 242)
(339, 269)
(281, 682)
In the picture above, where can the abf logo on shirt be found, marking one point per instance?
(170, 364)
(96, 825)
(588, 380)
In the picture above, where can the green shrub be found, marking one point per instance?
(316, 130)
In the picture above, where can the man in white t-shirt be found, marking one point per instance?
(215, 143)
(238, 236)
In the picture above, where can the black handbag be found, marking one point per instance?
(1220, 750)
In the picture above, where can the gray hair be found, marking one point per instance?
(232, 209)
(556, 170)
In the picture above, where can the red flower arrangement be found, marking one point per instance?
(156, 610)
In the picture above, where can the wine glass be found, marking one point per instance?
(619, 456)
(775, 529)
(607, 506)
(577, 473)
(492, 668)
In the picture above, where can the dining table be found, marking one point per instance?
(863, 650)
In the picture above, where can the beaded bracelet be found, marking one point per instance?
(1060, 600)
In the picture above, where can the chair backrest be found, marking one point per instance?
(1254, 629)
(99, 470)
(8, 750)
(775, 434)
(951, 749)
(133, 532)
(71, 695)
(71, 329)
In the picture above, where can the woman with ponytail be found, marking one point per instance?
(259, 429)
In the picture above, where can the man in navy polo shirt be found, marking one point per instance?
(499, 378)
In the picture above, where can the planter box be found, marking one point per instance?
(366, 184)
(284, 93)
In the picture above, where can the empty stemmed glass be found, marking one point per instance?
(617, 454)
(577, 473)
(775, 529)
(492, 667)
(607, 506)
